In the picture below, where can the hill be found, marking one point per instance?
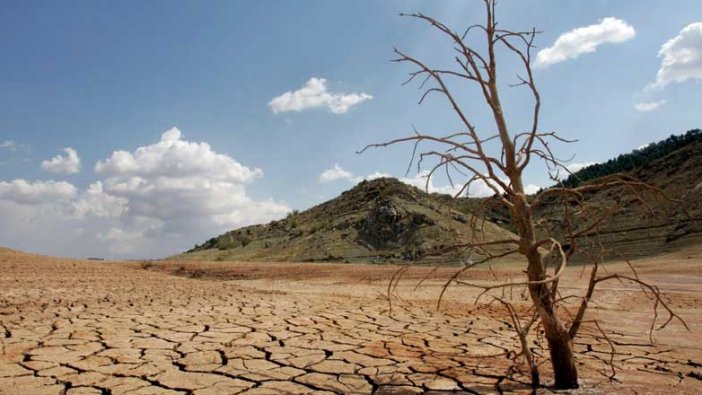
(382, 220)
(643, 227)
(385, 220)
(652, 225)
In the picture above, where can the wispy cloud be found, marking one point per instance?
(314, 94)
(13, 146)
(583, 40)
(649, 106)
(8, 145)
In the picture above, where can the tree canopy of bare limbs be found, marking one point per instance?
(465, 154)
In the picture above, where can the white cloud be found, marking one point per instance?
(59, 164)
(478, 188)
(314, 94)
(173, 157)
(373, 176)
(180, 183)
(95, 202)
(682, 57)
(38, 192)
(420, 181)
(151, 202)
(586, 39)
(576, 166)
(131, 239)
(336, 173)
(648, 106)
(531, 189)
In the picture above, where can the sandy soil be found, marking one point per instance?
(85, 327)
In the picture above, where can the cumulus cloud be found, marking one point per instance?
(68, 164)
(648, 106)
(174, 157)
(336, 173)
(38, 192)
(96, 202)
(179, 183)
(583, 40)
(314, 94)
(682, 57)
(153, 201)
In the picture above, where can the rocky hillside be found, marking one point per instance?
(382, 220)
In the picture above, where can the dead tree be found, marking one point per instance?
(466, 153)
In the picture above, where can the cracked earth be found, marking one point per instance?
(84, 327)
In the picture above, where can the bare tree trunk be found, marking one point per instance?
(562, 359)
(560, 344)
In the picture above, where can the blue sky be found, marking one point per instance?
(100, 77)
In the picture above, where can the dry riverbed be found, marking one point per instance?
(86, 327)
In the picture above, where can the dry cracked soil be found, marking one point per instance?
(85, 327)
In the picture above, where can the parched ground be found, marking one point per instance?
(85, 327)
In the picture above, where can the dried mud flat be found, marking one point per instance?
(83, 327)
